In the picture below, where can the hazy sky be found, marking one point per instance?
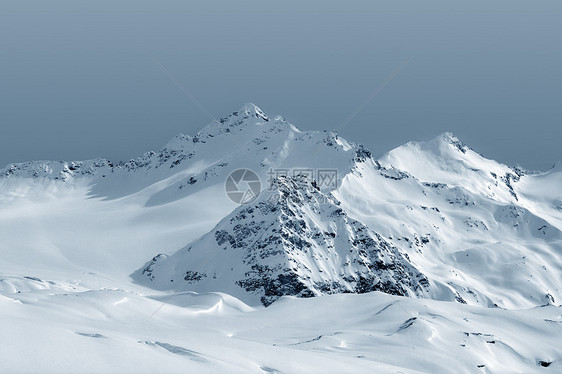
(80, 80)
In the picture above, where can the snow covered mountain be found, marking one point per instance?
(294, 240)
(474, 227)
(135, 251)
(465, 220)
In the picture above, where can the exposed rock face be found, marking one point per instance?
(294, 240)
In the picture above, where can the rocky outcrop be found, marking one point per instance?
(294, 240)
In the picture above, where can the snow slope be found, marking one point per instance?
(431, 220)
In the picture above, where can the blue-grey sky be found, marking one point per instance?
(78, 79)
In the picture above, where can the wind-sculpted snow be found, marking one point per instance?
(295, 240)
(115, 331)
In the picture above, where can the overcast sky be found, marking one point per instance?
(80, 80)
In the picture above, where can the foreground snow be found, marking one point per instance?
(115, 331)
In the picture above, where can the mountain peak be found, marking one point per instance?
(247, 112)
(252, 110)
(450, 138)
